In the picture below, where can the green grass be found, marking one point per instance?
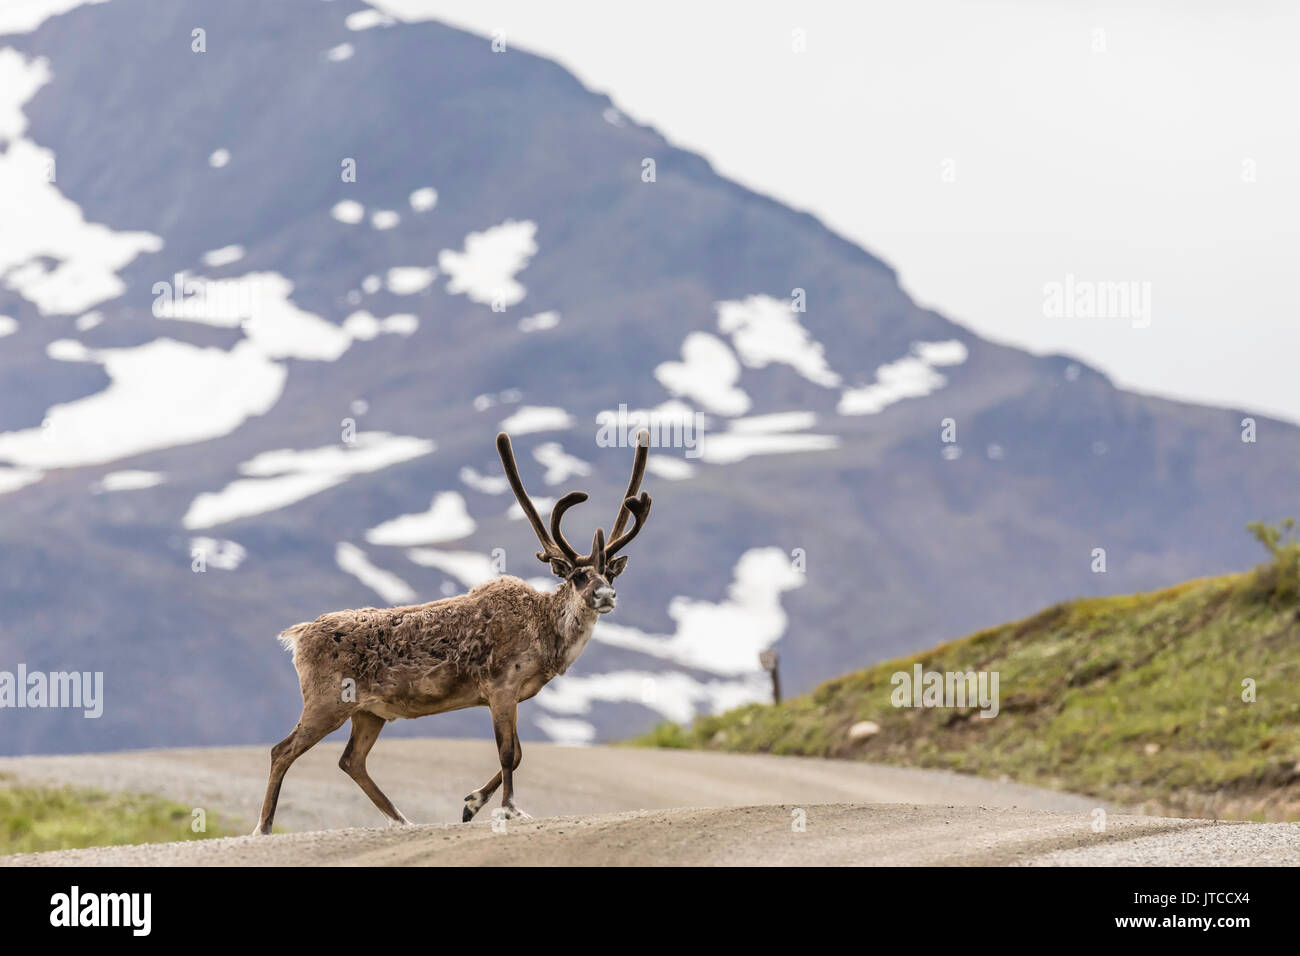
(33, 819)
(1136, 699)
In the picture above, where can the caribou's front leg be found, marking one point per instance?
(505, 714)
(474, 802)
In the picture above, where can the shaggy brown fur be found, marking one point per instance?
(495, 646)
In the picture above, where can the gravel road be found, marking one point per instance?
(610, 805)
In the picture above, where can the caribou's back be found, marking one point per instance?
(414, 660)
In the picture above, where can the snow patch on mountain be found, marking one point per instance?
(775, 422)
(781, 433)
(669, 468)
(408, 280)
(285, 476)
(468, 567)
(246, 497)
(424, 199)
(765, 330)
(87, 255)
(674, 695)
(446, 520)
(218, 553)
(536, 418)
(68, 350)
(559, 464)
(487, 400)
(951, 352)
(260, 304)
(912, 376)
(11, 479)
(128, 481)
(707, 374)
(224, 256)
(19, 81)
(539, 322)
(485, 271)
(566, 731)
(392, 589)
(367, 19)
(542, 503)
(161, 394)
(348, 211)
(726, 448)
(485, 484)
(363, 326)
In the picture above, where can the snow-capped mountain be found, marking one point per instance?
(273, 275)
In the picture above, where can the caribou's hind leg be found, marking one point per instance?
(365, 731)
(312, 727)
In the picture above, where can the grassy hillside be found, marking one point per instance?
(1137, 699)
(34, 819)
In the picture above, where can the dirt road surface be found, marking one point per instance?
(609, 806)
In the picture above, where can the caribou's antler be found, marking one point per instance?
(639, 508)
(550, 550)
(634, 485)
(597, 557)
(561, 506)
(558, 551)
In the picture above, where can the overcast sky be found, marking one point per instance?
(986, 150)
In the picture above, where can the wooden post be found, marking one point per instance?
(769, 659)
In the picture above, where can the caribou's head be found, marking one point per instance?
(590, 575)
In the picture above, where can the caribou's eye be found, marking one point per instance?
(580, 577)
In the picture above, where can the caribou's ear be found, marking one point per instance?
(560, 565)
(615, 567)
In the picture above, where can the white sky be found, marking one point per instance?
(1123, 165)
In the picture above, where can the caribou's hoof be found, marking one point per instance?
(473, 804)
(512, 812)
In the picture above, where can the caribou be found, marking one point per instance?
(495, 646)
